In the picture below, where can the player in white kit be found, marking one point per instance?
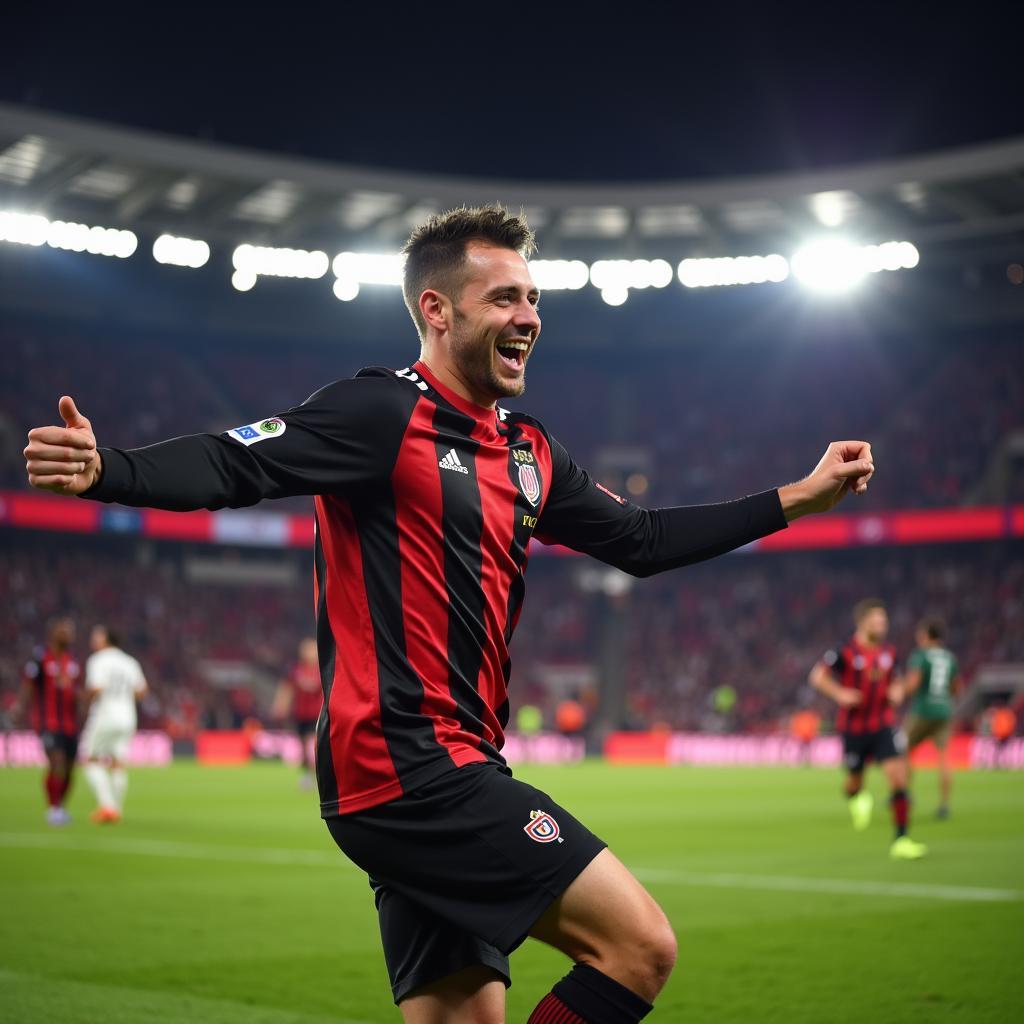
(113, 683)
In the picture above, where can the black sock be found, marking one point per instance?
(599, 999)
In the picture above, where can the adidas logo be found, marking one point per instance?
(451, 461)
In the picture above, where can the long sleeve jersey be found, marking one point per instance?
(425, 506)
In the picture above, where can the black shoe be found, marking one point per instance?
(942, 813)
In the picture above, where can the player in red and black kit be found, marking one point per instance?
(52, 693)
(860, 676)
(300, 697)
(427, 496)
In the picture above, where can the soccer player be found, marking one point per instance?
(301, 697)
(113, 683)
(931, 682)
(51, 691)
(427, 495)
(859, 677)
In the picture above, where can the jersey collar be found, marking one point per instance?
(486, 417)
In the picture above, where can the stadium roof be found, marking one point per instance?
(117, 177)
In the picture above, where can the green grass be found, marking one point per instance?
(222, 899)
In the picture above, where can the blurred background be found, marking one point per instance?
(777, 245)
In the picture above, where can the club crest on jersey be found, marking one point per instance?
(529, 482)
(260, 431)
(543, 828)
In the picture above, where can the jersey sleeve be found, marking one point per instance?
(582, 514)
(138, 676)
(33, 672)
(834, 659)
(343, 437)
(93, 676)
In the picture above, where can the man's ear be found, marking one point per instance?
(435, 308)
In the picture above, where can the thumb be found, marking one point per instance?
(70, 414)
(859, 467)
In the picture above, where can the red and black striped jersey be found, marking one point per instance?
(425, 507)
(870, 671)
(55, 680)
(307, 695)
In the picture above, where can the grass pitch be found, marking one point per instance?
(221, 899)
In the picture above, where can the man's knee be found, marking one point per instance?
(643, 957)
(659, 949)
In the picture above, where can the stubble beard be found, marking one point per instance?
(474, 356)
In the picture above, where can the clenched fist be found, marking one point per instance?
(846, 467)
(63, 459)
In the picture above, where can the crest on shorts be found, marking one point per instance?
(529, 482)
(543, 828)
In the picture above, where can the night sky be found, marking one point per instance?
(521, 92)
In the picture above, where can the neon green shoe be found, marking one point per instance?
(861, 806)
(905, 848)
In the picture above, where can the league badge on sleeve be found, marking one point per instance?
(529, 483)
(543, 828)
(260, 431)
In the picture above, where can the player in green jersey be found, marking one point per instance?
(931, 682)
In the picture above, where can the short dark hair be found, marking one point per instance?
(112, 635)
(869, 604)
(932, 627)
(435, 254)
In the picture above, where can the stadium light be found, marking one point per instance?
(34, 229)
(615, 278)
(559, 275)
(353, 269)
(181, 252)
(835, 265)
(254, 261)
(730, 270)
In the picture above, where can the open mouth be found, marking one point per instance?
(513, 353)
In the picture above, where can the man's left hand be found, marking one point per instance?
(846, 466)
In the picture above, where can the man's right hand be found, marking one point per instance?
(848, 697)
(63, 459)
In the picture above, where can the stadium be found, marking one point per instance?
(706, 336)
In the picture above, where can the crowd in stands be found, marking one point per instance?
(707, 423)
(753, 622)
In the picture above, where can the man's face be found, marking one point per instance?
(495, 322)
(875, 625)
(97, 638)
(63, 635)
(307, 650)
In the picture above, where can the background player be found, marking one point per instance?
(113, 682)
(931, 682)
(858, 676)
(427, 497)
(301, 696)
(51, 691)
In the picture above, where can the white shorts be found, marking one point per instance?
(100, 739)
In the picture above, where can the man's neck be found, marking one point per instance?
(866, 641)
(449, 376)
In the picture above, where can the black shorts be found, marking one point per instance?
(60, 741)
(305, 727)
(461, 868)
(881, 745)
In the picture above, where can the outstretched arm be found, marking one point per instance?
(641, 541)
(345, 435)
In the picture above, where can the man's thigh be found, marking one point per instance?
(605, 906)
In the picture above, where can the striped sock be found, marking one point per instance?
(551, 1010)
(586, 996)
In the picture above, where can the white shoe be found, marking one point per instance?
(57, 817)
